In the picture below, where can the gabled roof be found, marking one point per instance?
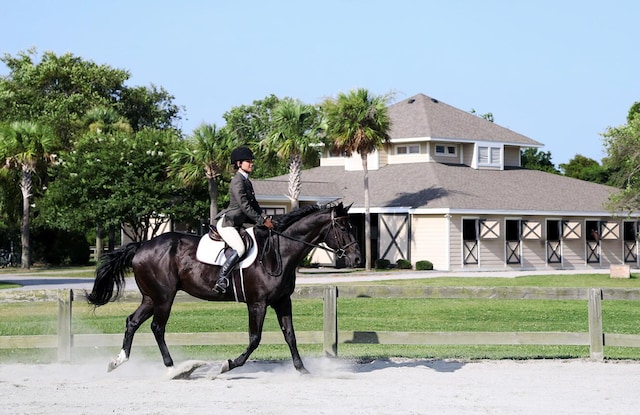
(424, 117)
(461, 189)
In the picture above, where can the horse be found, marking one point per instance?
(167, 263)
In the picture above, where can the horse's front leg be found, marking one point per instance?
(285, 319)
(257, 311)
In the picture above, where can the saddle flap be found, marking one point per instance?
(212, 251)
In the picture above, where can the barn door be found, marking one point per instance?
(393, 239)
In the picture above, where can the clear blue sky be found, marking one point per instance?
(559, 72)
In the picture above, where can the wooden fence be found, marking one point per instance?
(65, 340)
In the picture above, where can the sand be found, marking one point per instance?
(335, 386)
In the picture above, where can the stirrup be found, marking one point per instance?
(220, 288)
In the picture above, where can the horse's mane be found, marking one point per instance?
(283, 222)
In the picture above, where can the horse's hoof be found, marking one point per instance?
(112, 365)
(120, 359)
(226, 366)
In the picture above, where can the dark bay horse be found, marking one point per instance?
(167, 263)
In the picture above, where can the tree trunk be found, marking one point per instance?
(112, 238)
(213, 199)
(295, 178)
(367, 214)
(99, 243)
(25, 187)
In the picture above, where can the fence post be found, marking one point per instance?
(65, 298)
(596, 336)
(331, 321)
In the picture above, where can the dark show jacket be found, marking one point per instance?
(243, 206)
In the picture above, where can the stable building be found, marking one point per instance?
(449, 188)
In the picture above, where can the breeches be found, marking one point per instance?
(230, 236)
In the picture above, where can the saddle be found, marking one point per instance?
(244, 234)
(212, 249)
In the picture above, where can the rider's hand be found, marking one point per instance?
(268, 223)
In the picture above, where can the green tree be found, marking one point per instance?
(633, 111)
(56, 91)
(294, 135)
(358, 122)
(585, 168)
(149, 107)
(533, 159)
(250, 125)
(204, 156)
(119, 180)
(25, 146)
(623, 149)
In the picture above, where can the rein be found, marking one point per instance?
(340, 252)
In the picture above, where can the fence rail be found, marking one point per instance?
(65, 340)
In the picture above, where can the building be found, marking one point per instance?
(449, 188)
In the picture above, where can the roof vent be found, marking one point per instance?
(434, 100)
(411, 101)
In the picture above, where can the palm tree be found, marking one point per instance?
(105, 120)
(24, 146)
(293, 135)
(205, 155)
(358, 122)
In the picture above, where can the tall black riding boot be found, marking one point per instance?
(223, 277)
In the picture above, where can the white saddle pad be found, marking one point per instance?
(212, 252)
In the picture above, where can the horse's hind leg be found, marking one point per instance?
(142, 314)
(256, 320)
(285, 319)
(158, 326)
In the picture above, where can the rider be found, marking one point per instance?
(243, 209)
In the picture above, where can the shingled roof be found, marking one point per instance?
(459, 188)
(424, 117)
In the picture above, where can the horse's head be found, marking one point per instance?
(341, 238)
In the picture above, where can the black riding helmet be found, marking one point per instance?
(241, 153)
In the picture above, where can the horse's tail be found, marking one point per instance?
(112, 273)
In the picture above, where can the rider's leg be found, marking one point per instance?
(233, 239)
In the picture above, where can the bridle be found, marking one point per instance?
(340, 252)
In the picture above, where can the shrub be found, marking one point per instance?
(382, 263)
(424, 266)
(403, 264)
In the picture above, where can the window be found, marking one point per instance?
(489, 155)
(445, 150)
(273, 211)
(409, 149)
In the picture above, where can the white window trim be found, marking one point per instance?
(408, 147)
(446, 147)
(491, 147)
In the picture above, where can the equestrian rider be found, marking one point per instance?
(243, 209)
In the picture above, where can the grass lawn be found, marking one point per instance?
(362, 314)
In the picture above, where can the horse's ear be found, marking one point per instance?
(348, 207)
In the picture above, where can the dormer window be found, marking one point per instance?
(408, 149)
(489, 156)
(445, 150)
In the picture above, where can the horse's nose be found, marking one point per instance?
(356, 262)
